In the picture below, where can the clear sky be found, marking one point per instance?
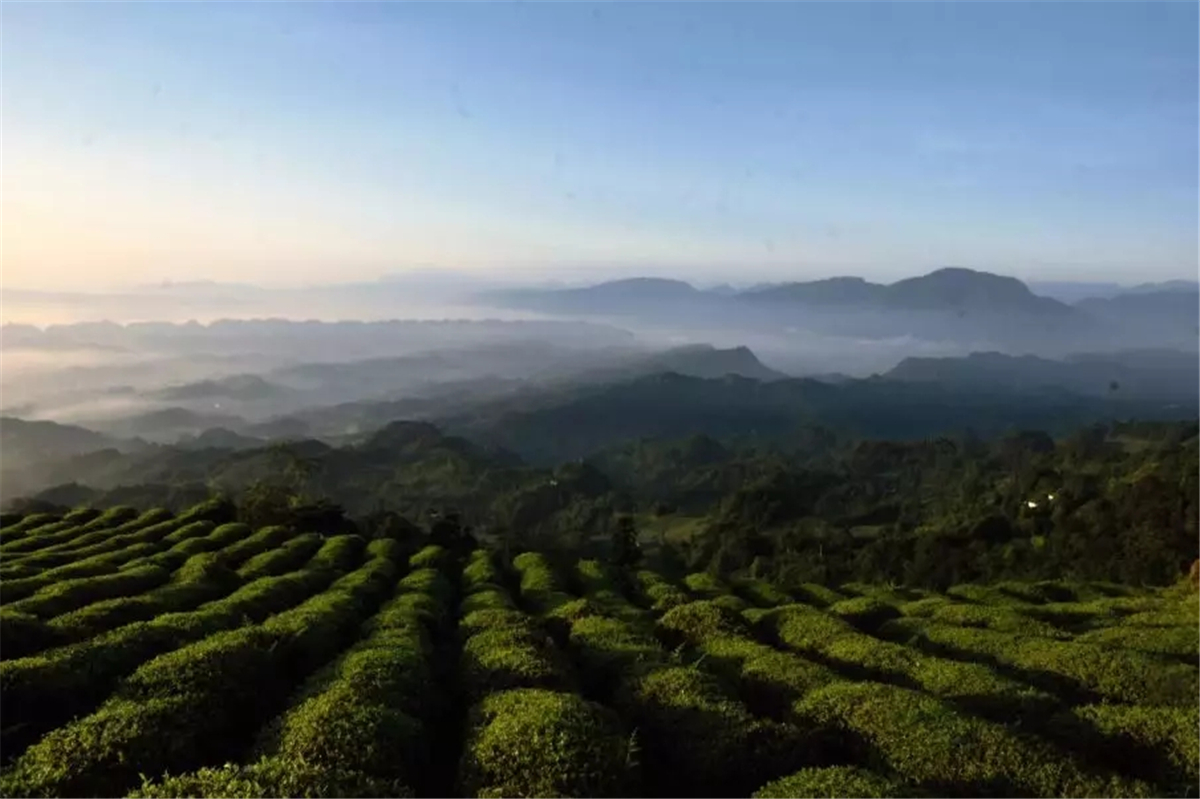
(282, 143)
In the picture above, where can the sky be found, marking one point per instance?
(302, 143)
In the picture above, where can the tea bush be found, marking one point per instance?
(835, 781)
(532, 742)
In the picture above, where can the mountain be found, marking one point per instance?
(241, 388)
(671, 406)
(697, 360)
(24, 441)
(944, 290)
(947, 305)
(1163, 375)
(1167, 317)
(166, 424)
(632, 295)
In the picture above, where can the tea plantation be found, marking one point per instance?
(157, 655)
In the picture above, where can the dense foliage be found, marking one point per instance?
(1115, 502)
(160, 654)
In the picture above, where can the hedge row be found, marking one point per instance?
(1179, 641)
(761, 593)
(202, 578)
(68, 595)
(1158, 744)
(539, 586)
(504, 649)
(115, 553)
(46, 534)
(768, 680)
(98, 532)
(263, 540)
(659, 594)
(972, 685)
(926, 741)
(695, 739)
(527, 734)
(13, 590)
(536, 742)
(38, 693)
(1077, 670)
(194, 538)
(24, 525)
(832, 781)
(195, 706)
(365, 713)
(269, 778)
(292, 555)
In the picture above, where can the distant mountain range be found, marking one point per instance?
(1164, 375)
(951, 304)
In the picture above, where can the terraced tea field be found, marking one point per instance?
(146, 654)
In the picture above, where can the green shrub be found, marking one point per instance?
(341, 553)
(217, 511)
(432, 556)
(816, 595)
(835, 781)
(1159, 744)
(190, 706)
(30, 522)
(539, 586)
(532, 742)
(292, 555)
(658, 593)
(512, 657)
(593, 577)
(386, 548)
(202, 578)
(705, 585)
(428, 581)
(264, 540)
(560, 618)
(1001, 619)
(973, 685)
(348, 729)
(762, 593)
(609, 650)
(770, 681)
(1183, 642)
(45, 690)
(732, 603)
(695, 622)
(802, 628)
(68, 595)
(486, 597)
(103, 754)
(926, 741)
(13, 590)
(924, 608)
(480, 571)
(697, 742)
(864, 612)
(22, 634)
(423, 609)
(494, 619)
(270, 777)
(1061, 666)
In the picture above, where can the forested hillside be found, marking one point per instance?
(1110, 502)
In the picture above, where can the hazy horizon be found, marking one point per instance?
(309, 144)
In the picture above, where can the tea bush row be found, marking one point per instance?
(196, 706)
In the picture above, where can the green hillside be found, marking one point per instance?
(190, 654)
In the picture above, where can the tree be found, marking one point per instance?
(625, 552)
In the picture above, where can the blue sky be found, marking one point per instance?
(311, 142)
